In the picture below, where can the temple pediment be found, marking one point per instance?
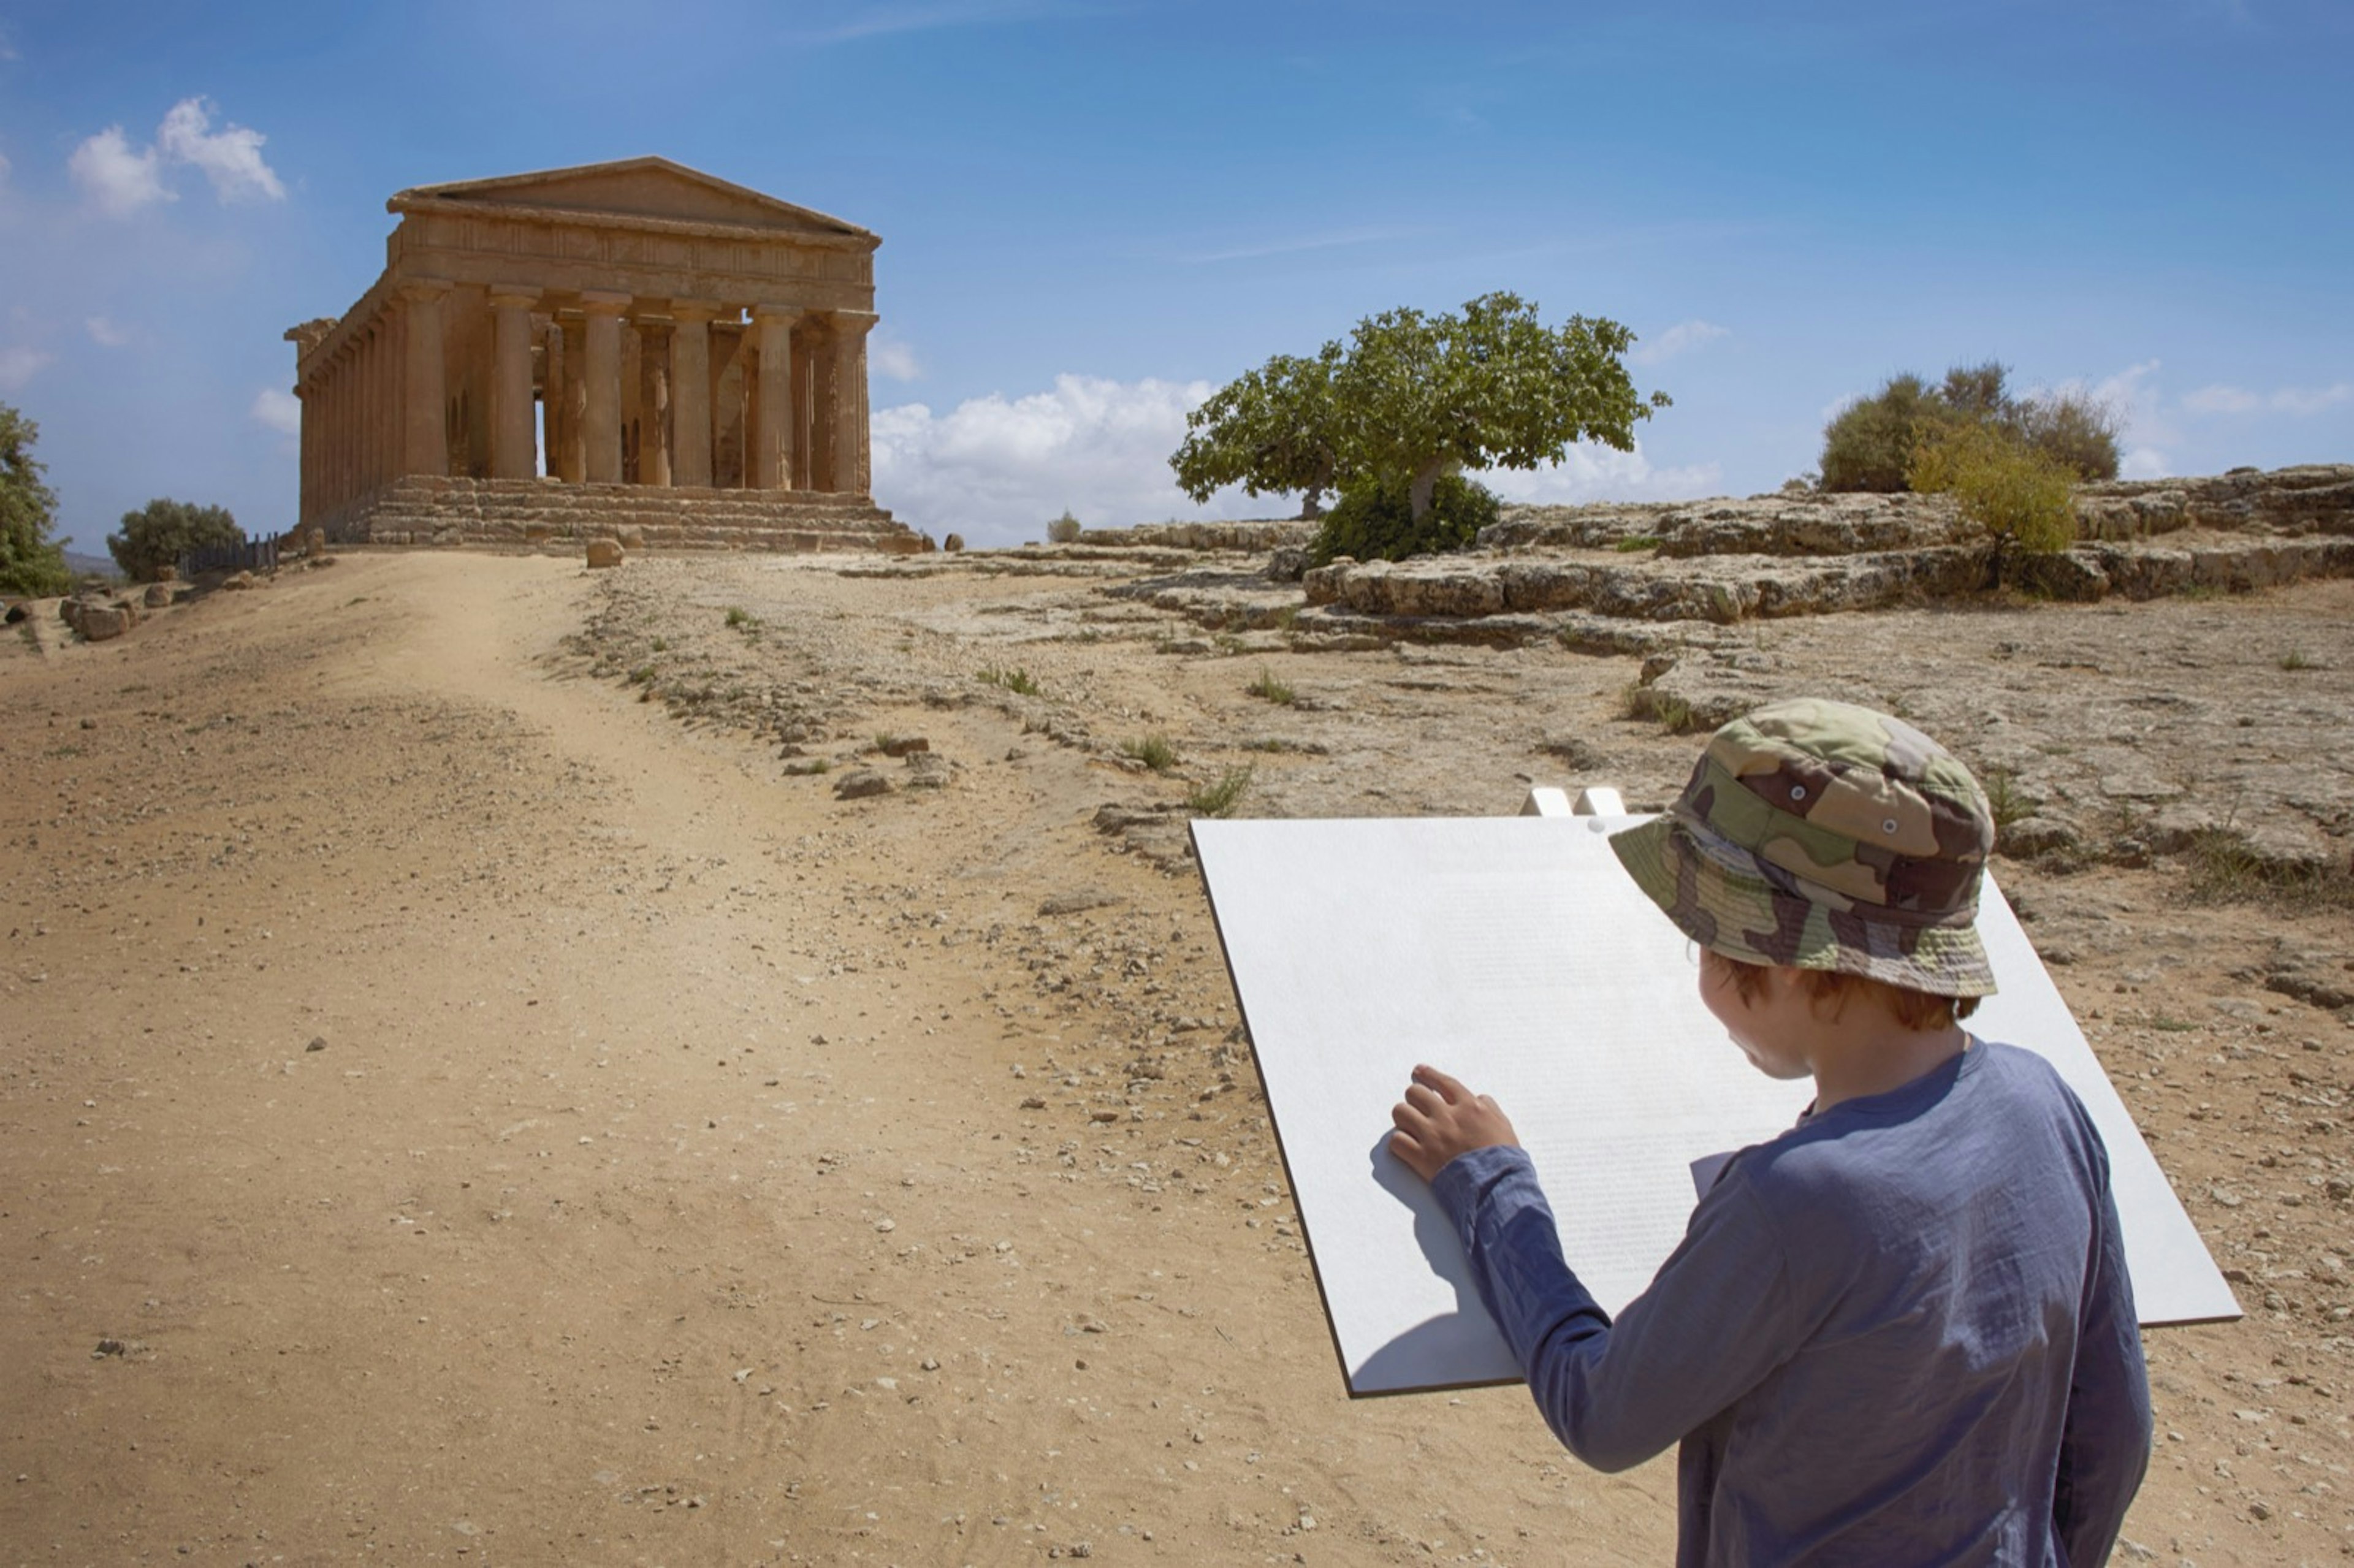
(643, 188)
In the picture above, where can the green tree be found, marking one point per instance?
(31, 563)
(1273, 429)
(1413, 397)
(163, 531)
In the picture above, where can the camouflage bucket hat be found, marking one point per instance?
(1820, 835)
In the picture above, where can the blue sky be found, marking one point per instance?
(1094, 213)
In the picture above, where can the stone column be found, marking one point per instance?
(340, 425)
(771, 464)
(848, 413)
(564, 400)
(690, 391)
(655, 396)
(601, 371)
(365, 407)
(425, 418)
(512, 446)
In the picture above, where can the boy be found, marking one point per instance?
(1901, 1332)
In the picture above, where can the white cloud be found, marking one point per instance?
(230, 157)
(122, 179)
(118, 179)
(281, 411)
(1592, 473)
(892, 357)
(2293, 400)
(996, 468)
(19, 365)
(107, 333)
(2144, 462)
(1680, 338)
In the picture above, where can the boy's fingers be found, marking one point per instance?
(1451, 1090)
(1424, 1098)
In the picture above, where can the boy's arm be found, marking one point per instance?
(1715, 1320)
(2104, 1445)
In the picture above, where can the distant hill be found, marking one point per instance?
(82, 566)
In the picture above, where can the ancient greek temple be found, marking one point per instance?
(632, 349)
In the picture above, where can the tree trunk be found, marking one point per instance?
(1311, 506)
(1426, 481)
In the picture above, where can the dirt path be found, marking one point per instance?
(487, 1120)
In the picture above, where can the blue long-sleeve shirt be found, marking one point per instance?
(1901, 1332)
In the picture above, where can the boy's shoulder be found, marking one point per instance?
(1995, 1107)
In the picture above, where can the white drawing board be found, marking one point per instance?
(1515, 953)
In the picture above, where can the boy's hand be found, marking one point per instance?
(1439, 1118)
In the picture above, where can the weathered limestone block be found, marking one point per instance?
(158, 595)
(604, 553)
(102, 622)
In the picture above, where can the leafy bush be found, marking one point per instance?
(31, 563)
(2072, 430)
(1063, 530)
(2015, 493)
(1871, 444)
(159, 533)
(1376, 522)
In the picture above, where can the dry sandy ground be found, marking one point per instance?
(485, 1119)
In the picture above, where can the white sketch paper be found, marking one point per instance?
(1516, 954)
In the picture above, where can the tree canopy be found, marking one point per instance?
(31, 563)
(160, 532)
(1273, 429)
(1412, 397)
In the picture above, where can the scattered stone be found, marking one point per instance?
(1080, 898)
(905, 744)
(927, 770)
(860, 783)
(630, 538)
(237, 582)
(954, 543)
(605, 553)
(157, 596)
(102, 622)
(318, 1043)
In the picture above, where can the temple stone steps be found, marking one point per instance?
(423, 510)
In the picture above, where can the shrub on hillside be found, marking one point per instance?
(159, 533)
(1375, 522)
(1871, 444)
(1063, 530)
(2016, 493)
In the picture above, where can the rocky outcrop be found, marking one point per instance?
(2316, 498)
(1261, 535)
